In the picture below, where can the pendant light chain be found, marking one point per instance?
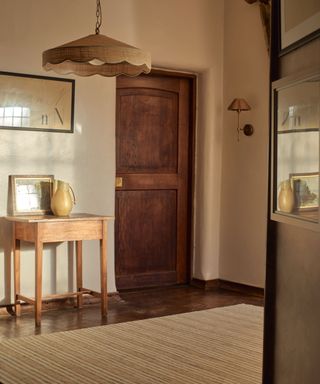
(99, 17)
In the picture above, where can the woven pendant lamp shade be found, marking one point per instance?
(97, 54)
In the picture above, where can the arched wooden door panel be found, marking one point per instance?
(153, 162)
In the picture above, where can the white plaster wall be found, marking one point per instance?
(85, 158)
(208, 177)
(180, 34)
(244, 173)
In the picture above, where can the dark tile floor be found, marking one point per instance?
(128, 306)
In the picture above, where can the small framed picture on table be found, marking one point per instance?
(30, 194)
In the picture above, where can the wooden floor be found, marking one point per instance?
(128, 306)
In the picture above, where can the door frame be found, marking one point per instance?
(193, 79)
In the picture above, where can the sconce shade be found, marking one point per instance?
(239, 105)
(97, 55)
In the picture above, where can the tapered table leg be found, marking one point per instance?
(16, 258)
(47, 230)
(103, 269)
(79, 271)
(38, 272)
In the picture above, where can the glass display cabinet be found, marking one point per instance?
(295, 150)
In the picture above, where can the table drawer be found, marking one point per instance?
(73, 230)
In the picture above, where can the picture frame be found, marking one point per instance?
(36, 103)
(30, 194)
(305, 187)
(298, 25)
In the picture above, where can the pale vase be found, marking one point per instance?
(62, 200)
(286, 197)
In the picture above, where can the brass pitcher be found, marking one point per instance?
(63, 198)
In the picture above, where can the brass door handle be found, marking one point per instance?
(119, 182)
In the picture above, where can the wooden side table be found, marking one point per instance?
(47, 229)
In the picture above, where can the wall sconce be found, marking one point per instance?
(239, 105)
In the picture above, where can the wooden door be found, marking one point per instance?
(153, 161)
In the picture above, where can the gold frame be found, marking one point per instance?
(30, 194)
(309, 179)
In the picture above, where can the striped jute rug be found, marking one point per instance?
(222, 345)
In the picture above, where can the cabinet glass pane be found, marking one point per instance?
(297, 123)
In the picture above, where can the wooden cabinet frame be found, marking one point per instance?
(290, 218)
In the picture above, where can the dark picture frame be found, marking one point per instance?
(36, 103)
(298, 28)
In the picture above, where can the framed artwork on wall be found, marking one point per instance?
(305, 187)
(30, 194)
(36, 103)
(300, 23)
